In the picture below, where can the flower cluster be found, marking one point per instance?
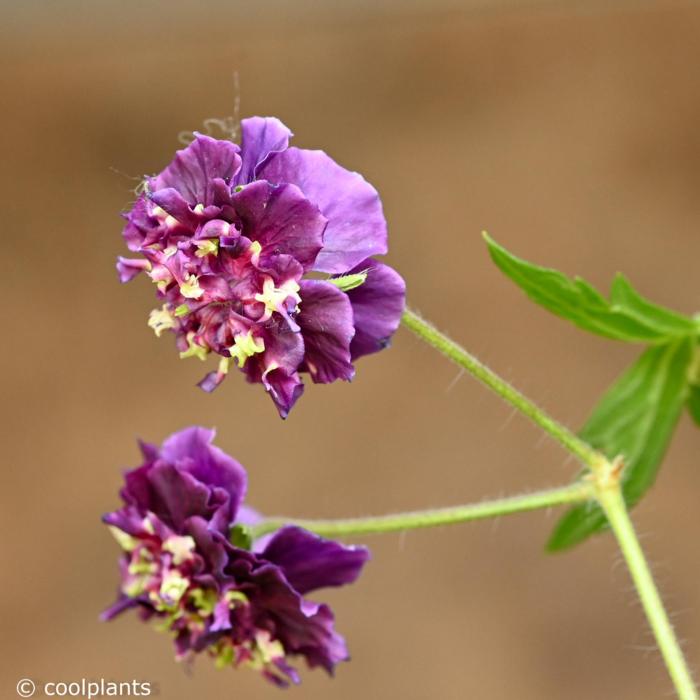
(230, 234)
(242, 603)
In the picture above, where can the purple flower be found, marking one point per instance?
(229, 236)
(243, 604)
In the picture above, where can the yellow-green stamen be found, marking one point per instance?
(190, 288)
(160, 320)
(245, 345)
(194, 349)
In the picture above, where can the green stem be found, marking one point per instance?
(605, 481)
(427, 332)
(573, 493)
(612, 502)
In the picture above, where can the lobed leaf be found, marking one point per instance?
(626, 316)
(635, 419)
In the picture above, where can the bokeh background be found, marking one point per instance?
(569, 130)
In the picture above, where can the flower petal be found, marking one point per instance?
(128, 268)
(285, 388)
(140, 229)
(173, 203)
(356, 225)
(260, 137)
(276, 368)
(208, 464)
(310, 562)
(282, 220)
(377, 306)
(119, 606)
(171, 494)
(211, 545)
(327, 326)
(194, 169)
(302, 628)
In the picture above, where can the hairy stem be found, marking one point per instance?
(612, 502)
(580, 491)
(605, 478)
(455, 352)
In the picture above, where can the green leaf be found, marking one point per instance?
(625, 316)
(694, 402)
(347, 282)
(635, 419)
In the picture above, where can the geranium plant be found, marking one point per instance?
(263, 255)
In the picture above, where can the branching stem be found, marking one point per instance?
(602, 483)
(574, 493)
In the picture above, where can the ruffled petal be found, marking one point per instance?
(302, 627)
(285, 387)
(277, 368)
(128, 268)
(173, 203)
(327, 326)
(356, 225)
(207, 463)
(149, 451)
(260, 137)
(310, 562)
(377, 306)
(211, 380)
(195, 168)
(174, 495)
(211, 545)
(140, 229)
(282, 220)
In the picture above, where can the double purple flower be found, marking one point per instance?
(229, 236)
(244, 604)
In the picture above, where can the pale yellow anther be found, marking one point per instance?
(255, 250)
(135, 588)
(199, 209)
(204, 600)
(170, 251)
(273, 297)
(245, 345)
(181, 547)
(164, 217)
(142, 566)
(208, 246)
(173, 586)
(161, 320)
(269, 648)
(233, 598)
(194, 349)
(264, 651)
(161, 276)
(125, 541)
(190, 289)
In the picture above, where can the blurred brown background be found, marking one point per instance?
(571, 131)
